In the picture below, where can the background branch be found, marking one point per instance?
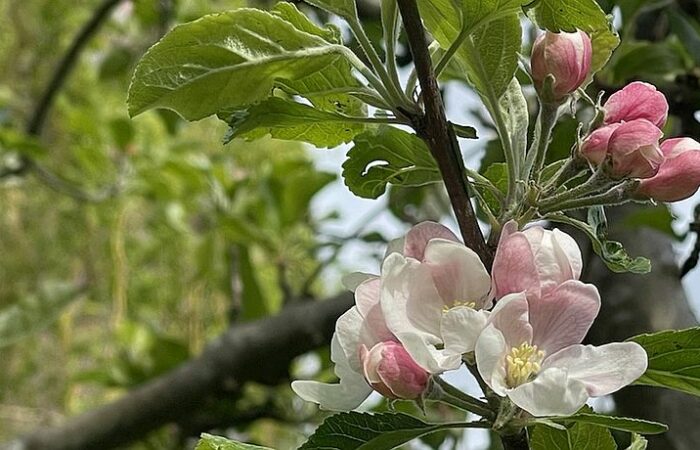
(256, 351)
(434, 129)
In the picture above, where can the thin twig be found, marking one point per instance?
(433, 128)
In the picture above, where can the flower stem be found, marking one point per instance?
(546, 119)
(444, 392)
(594, 184)
(614, 196)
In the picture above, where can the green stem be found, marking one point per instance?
(595, 183)
(571, 167)
(546, 119)
(444, 392)
(615, 196)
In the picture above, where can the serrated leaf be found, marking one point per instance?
(290, 13)
(227, 61)
(585, 15)
(612, 253)
(362, 431)
(211, 442)
(388, 155)
(288, 120)
(674, 359)
(616, 423)
(578, 437)
(497, 173)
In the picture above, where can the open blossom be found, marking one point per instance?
(679, 175)
(534, 260)
(637, 100)
(530, 351)
(633, 148)
(434, 297)
(565, 56)
(367, 356)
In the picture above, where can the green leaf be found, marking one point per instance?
(585, 15)
(387, 155)
(638, 443)
(655, 60)
(674, 359)
(580, 436)
(34, 312)
(344, 8)
(513, 108)
(612, 253)
(211, 442)
(497, 173)
(285, 119)
(223, 62)
(361, 431)
(657, 217)
(483, 11)
(290, 13)
(616, 423)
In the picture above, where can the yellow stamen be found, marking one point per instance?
(522, 363)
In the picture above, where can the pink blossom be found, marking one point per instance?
(565, 56)
(679, 175)
(530, 351)
(633, 148)
(534, 260)
(637, 100)
(367, 356)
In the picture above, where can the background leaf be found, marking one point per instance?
(211, 442)
(578, 437)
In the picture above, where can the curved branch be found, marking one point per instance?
(256, 351)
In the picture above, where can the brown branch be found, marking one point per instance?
(434, 129)
(256, 351)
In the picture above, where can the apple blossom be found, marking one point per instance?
(633, 148)
(367, 356)
(435, 305)
(530, 351)
(679, 175)
(637, 100)
(534, 260)
(565, 56)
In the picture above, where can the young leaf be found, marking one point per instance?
(612, 253)
(290, 13)
(585, 15)
(387, 155)
(285, 119)
(673, 359)
(211, 442)
(616, 423)
(223, 62)
(638, 443)
(361, 431)
(581, 436)
(344, 8)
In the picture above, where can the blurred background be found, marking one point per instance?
(126, 246)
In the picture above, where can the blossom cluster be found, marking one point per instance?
(432, 308)
(627, 144)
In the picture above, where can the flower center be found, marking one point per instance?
(457, 303)
(522, 363)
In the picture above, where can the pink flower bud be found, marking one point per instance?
(566, 56)
(391, 371)
(679, 175)
(637, 100)
(633, 148)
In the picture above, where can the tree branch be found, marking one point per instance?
(256, 351)
(434, 129)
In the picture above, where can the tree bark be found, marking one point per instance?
(256, 351)
(635, 304)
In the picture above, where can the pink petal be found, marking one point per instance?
(418, 237)
(595, 146)
(563, 316)
(514, 268)
(400, 373)
(637, 100)
(603, 369)
(676, 146)
(677, 179)
(511, 317)
(457, 271)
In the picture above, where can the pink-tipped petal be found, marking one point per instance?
(458, 273)
(551, 393)
(678, 177)
(514, 268)
(563, 316)
(603, 370)
(418, 237)
(511, 317)
(634, 147)
(400, 373)
(637, 100)
(595, 146)
(676, 146)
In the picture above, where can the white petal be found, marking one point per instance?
(603, 369)
(490, 352)
(422, 349)
(511, 317)
(409, 299)
(346, 395)
(570, 251)
(551, 393)
(352, 280)
(461, 327)
(458, 272)
(367, 294)
(349, 335)
(374, 327)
